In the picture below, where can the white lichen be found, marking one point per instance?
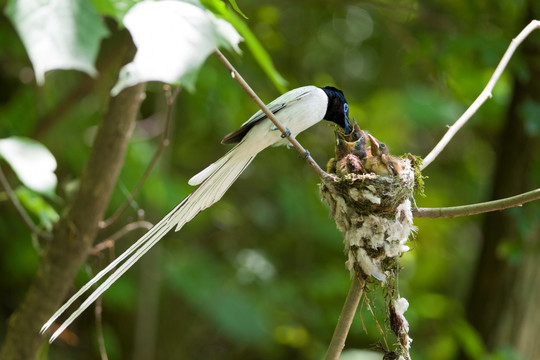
(400, 325)
(374, 214)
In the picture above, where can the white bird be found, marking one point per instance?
(296, 110)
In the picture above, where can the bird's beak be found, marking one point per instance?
(356, 132)
(374, 145)
(347, 127)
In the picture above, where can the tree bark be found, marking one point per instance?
(75, 233)
(505, 292)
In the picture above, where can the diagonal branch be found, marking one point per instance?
(484, 95)
(345, 318)
(303, 152)
(466, 210)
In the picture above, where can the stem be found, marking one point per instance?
(98, 311)
(303, 152)
(484, 95)
(345, 319)
(466, 210)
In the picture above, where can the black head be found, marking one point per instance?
(338, 109)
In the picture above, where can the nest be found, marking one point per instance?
(369, 193)
(372, 211)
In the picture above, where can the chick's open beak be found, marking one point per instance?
(374, 145)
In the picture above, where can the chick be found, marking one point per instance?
(380, 161)
(347, 160)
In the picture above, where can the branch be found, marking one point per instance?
(484, 95)
(98, 313)
(77, 229)
(109, 242)
(170, 97)
(20, 209)
(303, 152)
(345, 319)
(466, 210)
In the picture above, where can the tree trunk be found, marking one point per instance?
(75, 233)
(505, 292)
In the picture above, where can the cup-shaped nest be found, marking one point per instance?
(372, 210)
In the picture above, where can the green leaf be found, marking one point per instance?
(58, 34)
(236, 8)
(32, 162)
(261, 55)
(36, 204)
(114, 8)
(173, 39)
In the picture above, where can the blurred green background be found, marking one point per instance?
(260, 275)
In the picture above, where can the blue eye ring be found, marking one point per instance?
(345, 108)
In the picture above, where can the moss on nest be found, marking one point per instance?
(370, 193)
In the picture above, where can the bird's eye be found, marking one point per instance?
(346, 108)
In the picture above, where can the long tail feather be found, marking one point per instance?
(224, 173)
(151, 233)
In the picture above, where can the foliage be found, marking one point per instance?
(173, 39)
(58, 34)
(408, 68)
(31, 161)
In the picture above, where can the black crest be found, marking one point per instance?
(338, 108)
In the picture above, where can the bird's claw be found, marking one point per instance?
(286, 134)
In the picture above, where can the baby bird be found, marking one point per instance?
(381, 162)
(347, 159)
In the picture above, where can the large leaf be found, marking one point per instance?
(173, 39)
(58, 34)
(32, 162)
(261, 55)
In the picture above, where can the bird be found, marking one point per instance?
(296, 110)
(359, 149)
(347, 159)
(381, 162)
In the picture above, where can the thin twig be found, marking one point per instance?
(109, 242)
(466, 210)
(303, 152)
(345, 319)
(486, 93)
(170, 97)
(98, 309)
(20, 209)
